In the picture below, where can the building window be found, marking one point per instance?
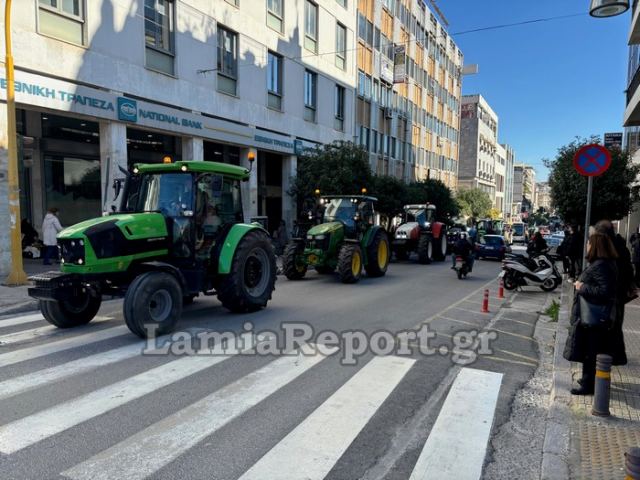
(342, 3)
(158, 33)
(310, 95)
(338, 123)
(274, 81)
(341, 46)
(311, 26)
(227, 61)
(63, 19)
(275, 15)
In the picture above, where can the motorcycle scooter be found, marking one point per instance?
(539, 271)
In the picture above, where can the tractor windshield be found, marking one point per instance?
(168, 193)
(340, 210)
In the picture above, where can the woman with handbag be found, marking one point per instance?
(593, 310)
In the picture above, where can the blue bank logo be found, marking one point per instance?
(127, 110)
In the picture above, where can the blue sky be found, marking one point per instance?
(548, 82)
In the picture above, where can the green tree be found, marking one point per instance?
(614, 192)
(391, 193)
(336, 168)
(437, 193)
(474, 202)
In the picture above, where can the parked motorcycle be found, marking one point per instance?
(539, 271)
(461, 268)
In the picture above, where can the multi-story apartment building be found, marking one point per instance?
(409, 87)
(524, 188)
(478, 145)
(102, 84)
(508, 189)
(501, 175)
(543, 196)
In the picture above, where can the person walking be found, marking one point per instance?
(563, 251)
(576, 248)
(50, 228)
(597, 285)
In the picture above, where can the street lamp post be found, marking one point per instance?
(608, 8)
(16, 274)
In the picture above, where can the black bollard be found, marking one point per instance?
(603, 386)
(632, 463)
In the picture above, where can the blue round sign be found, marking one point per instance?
(592, 160)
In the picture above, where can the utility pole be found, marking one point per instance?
(16, 274)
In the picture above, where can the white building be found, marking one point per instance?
(102, 84)
(509, 173)
(501, 174)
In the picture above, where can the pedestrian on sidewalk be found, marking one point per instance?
(597, 285)
(576, 248)
(626, 290)
(50, 228)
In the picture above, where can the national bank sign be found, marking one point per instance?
(127, 110)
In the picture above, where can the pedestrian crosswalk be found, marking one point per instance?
(323, 436)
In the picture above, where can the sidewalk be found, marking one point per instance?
(15, 299)
(589, 446)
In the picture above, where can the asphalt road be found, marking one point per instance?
(87, 403)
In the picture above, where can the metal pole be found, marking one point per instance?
(16, 274)
(587, 222)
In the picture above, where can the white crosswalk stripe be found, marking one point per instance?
(320, 440)
(41, 333)
(34, 428)
(144, 453)
(29, 353)
(10, 322)
(457, 443)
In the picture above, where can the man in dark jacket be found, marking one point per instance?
(625, 285)
(576, 249)
(463, 249)
(537, 245)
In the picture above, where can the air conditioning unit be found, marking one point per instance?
(388, 112)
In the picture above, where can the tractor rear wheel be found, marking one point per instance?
(293, 268)
(153, 304)
(250, 283)
(323, 269)
(71, 313)
(425, 249)
(440, 247)
(378, 255)
(350, 263)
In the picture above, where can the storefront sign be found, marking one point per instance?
(399, 64)
(386, 69)
(127, 110)
(613, 140)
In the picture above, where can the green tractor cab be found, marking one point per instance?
(347, 241)
(179, 233)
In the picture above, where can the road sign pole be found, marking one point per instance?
(587, 222)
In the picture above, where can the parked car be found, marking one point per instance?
(492, 246)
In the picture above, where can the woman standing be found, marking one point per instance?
(597, 285)
(50, 229)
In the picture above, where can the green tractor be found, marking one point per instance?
(179, 233)
(347, 241)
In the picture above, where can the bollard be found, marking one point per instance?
(632, 463)
(485, 302)
(501, 289)
(603, 386)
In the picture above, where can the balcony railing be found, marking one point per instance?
(633, 86)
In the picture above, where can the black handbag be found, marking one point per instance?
(593, 315)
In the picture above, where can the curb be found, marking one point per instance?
(556, 449)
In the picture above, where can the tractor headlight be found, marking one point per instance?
(320, 237)
(309, 237)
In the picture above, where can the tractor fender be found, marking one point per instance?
(162, 267)
(231, 241)
(438, 228)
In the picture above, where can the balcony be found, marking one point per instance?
(634, 33)
(632, 112)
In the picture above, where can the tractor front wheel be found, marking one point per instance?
(425, 249)
(378, 255)
(350, 263)
(293, 268)
(153, 304)
(71, 313)
(252, 278)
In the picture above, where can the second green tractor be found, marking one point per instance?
(348, 241)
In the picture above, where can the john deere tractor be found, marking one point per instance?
(347, 241)
(420, 232)
(179, 233)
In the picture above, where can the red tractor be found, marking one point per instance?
(420, 232)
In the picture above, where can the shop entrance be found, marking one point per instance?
(270, 188)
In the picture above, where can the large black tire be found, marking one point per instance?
(350, 263)
(440, 246)
(250, 283)
(425, 248)
(401, 253)
(549, 285)
(153, 304)
(324, 270)
(378, 255)
(293, 269)
(68, 314)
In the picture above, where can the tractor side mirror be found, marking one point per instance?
(117, 188)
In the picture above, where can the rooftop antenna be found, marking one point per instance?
(439, 13)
